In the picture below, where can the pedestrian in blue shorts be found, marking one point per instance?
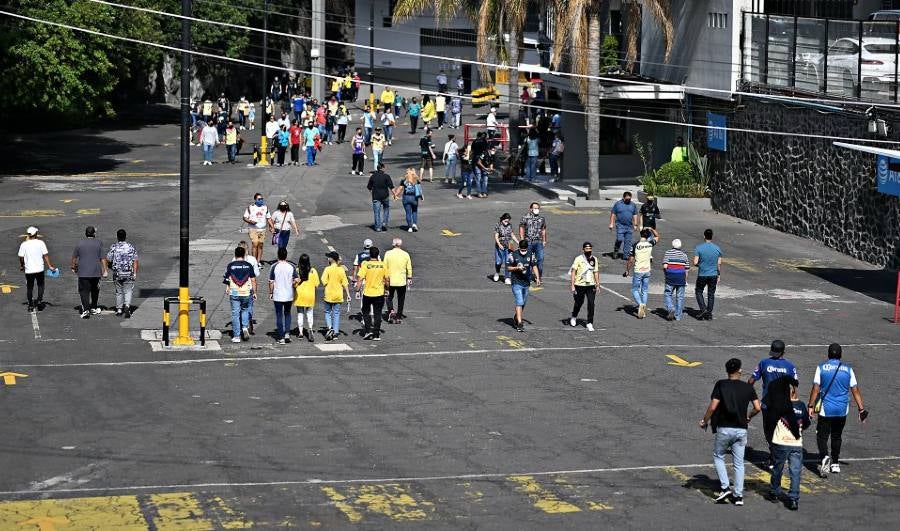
(523, 268)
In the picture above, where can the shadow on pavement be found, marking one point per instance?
(880, 285)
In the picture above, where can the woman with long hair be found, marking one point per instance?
(283, 221)
(305, 296)
(411, 192)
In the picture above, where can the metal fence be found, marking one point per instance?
(840, 58)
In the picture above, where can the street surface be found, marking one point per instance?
(454, 420)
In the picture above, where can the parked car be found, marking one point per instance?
(876, 63)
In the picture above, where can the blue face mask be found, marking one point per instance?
(260, 202)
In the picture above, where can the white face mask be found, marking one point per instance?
(535, 211)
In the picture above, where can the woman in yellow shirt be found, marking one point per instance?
(337, 290)
(305, 296)
(428, 112)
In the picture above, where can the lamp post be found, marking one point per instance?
(184, 295)
(263, 141)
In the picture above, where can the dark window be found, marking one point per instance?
(446, 37)
(811, 8)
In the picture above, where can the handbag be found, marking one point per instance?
(275, 234)
(817, 407)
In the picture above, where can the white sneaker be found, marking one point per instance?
(590, 327)
(835, 468)
(508, 282)
(573, 322)
(409, 229)
(496, 277)
(245, 334)
(95, 311)
(236, 339)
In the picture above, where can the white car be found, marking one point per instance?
(877, 63)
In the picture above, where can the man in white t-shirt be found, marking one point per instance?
(257, 216)
(33, 255)
(492, 124)
(282, 278)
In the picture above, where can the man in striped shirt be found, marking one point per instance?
(675, 265)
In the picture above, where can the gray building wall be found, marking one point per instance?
(806, 186)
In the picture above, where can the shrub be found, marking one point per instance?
(676, 172)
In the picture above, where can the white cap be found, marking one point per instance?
(676, 243)
(31, 231)
(368, 243)
(493, 109)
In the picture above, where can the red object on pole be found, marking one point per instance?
(897, 302)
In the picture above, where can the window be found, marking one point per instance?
(446, 37)
(717, 20)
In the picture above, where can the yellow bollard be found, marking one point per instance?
(184, 318)
(263, 150)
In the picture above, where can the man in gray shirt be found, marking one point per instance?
(87, 262)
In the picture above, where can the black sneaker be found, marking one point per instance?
(310, 336)
(85, 314)
(368, 336)
(30, 308)
(709, 316)
(377, 337)
(520, 326)
(793, 505)
(702, 316)
(670, 316)
(126, 314)
(771, 497)
(329, 335)
(723, 495)
(739, 501)
(825, 466)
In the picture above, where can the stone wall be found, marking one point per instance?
(807, 186)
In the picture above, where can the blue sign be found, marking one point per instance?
(716, 138)
(887, 173)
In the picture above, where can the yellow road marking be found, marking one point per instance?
(449, 233)
(390, 499)
(6, 289)
(9, 378)
(46, 523)
(87, 211)
(535, 288)
(176, 511)
(227, 517)
(792, 264)
(678, 361)
(577, 490)
(39, 213)
(743, 265)
(542, 498)
(510, 342)
(597, 506)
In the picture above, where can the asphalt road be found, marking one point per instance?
(455, 420)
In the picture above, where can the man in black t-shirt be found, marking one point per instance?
(728, 412)
(426, 148)
(649, 215)
(380, 185)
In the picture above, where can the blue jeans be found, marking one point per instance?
(640, 287)
(793, 457)
(537, 249)
(450, 168)
(333, 316)
(736, 439)
(284, 237)
(481, 181)
(501, 254)
(232, 152)
(208, 152)
(329, 133)
(623, 235)
(465, 181)
(412, 212)
(282, 319)
(530, 167)
(240, 313)
(554, 166)
(379, 206)
(368, 135)
(676, 292)
(376, 158)
(389, 132)
(310, 155)
(520, 294)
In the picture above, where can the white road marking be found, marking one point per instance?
(325, 241)
(35, 326)
(333, 347)
(633, 346)
(407, 479)
(616, 293)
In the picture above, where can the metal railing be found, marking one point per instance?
(851, 59)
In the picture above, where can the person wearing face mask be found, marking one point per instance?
(523, 267)
(533, 229)
(257, 217)
(281, 223)
(623, 218)
(584, 279)
(503, 235)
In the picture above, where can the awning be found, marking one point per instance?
(642, 92)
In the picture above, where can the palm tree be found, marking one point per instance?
(577, 27)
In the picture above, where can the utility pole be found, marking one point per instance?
(184, 294)
(317, 49)
(263, 141)
(371, 49)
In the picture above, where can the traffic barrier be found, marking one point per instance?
(199, 301)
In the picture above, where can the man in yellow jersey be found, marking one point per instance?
(399, 271)
(641, 259)
(373, 275)
(337, 290)
(584, 277)
(387, 98)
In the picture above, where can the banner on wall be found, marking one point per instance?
(717, 138)
(887, 175)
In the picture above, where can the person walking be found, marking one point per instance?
(358, 142)
(305, 296)
(649, 214)
(309, 141)
(231, 142)
(584, 279)
(337, 291)
(387, 120)
(441, 80)
(769, 370)
(257, 272)
(284, 140)
(788, 418)
(281, 223)
(533, 229)
(413, 110)
(381, 186)
(484, 166)
(522, 265)
(386, 98)
(533, 150)
(460, 85)
(440, 107)
(640, 263)
(398, 266)
(209, 138)
(271, 135)
(450, 158)
(708, 260)
(358, 261)
(240, 288)
(829, 401)
(426, 150)
(428, 112)
(410, 191)
(368, 121)
(122, 258)
(455, 111)
(675, 266)
(282, 279)
(296, 139)
(88, 263)
(503, 236)
(727, 412)
(33, 256)
(378, 143)
(343, 119)
(466, 172)
(373, 277)
(623, 217)
(257, 217)
(556, 152)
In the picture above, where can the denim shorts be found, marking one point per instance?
(520, 294)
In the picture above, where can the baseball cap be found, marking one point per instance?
(333, 255)
(31, 231)
(367, 243)
(676, 243)
(777, 349)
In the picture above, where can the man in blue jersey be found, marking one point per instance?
(623, 218)
(769, 370)
(708, 261)
(829, 398)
